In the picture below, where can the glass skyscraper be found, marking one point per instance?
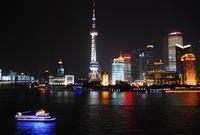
(138, 64)
(127, 65)
(61, 70)
(174, 38)
(149, 58)
(117, 70)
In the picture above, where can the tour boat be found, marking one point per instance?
(41, 115)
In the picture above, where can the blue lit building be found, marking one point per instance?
(61, 69)
(117, 70)
(13, 77)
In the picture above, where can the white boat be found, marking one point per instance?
(41, 115)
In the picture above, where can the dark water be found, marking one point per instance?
(101, 113)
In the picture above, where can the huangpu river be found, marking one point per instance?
(101, 112)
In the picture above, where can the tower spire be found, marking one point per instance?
(94, 15)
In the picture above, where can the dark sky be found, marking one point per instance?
(35, 34)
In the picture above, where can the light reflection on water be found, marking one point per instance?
(103, 112)
(78, 92)
(35, 128)
(125, 98)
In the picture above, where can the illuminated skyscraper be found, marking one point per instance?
(180, 51)
(189, 69)
(94, 74)
(60, 70)
(174, 38)
(138, 64)
(118, 70)
(105, 79)
(149, 58)
(127, 65)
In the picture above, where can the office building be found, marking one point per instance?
(189, 69)
(61, 69)
(180, 51)
(14, 77)
(139, 63)
(105, 79)
(61, 81)
(118, 70)
(69, 79)
(161, 78)
(127, 65)
(149, 58)
(170, 58)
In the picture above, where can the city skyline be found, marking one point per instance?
(37, 35)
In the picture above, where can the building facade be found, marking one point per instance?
(127, 65)
(174, 38)
(139, 63)
(161, 78)
(61, 81)
(180, 51)
(189, 69)
(61, 69)
(149, 58)
(105, 79)
(14, 77)
(117, 70)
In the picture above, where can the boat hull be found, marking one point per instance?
(37, 120)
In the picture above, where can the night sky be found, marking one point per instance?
(36, 34)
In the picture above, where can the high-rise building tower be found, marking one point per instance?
(94, 74)
(118, 70)
(60, 70)
(174, 38)
(127, 65)
(180, 51)
(189, 69)
(149, 58)
(105, 79)
(138, 64)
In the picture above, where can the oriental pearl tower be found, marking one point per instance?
(94, 74)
